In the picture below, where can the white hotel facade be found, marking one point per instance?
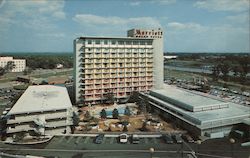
(20, 64)
(117, 65)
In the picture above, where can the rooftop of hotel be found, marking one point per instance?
(105, 37)
(190, 101)
(42, 98)
(172, 97)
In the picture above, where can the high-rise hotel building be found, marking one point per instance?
(117, 65)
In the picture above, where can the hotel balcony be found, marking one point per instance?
(98, 61)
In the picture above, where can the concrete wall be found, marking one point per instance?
(78, 43)
(158, 67)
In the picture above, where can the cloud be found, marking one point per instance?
(53, 35)
(94, 20)
(176, 26)
(135, 3)
(223, 5)
(242, 18)
(36, 15)
(163, 2)
(196, 37)
(2, 3)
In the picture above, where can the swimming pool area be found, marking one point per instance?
(120, 111)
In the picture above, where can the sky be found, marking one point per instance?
(189, 25)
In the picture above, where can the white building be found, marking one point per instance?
(42, 110)
(20, 64)
(117, 65)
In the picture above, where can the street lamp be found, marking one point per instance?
(151, 150)
(232, 141)
(198, 142)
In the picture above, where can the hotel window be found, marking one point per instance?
(113, 42)
(105, 42)
(97, 42)
(128, 42)
(149, 42)
(142, 43)
(121, 42)
(89, 42)
(135, 42)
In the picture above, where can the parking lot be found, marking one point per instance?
(83, 146)
(106, 140)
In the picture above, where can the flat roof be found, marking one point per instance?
(123, 38)
(42, 98)
(188, 100)
(232, 114)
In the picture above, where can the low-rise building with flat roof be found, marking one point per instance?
(20, 64)
(202, 115)
(41, 110)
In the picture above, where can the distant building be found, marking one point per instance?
(117, 65)
(170, 57)
(20, 64)
(59, 66)
(41, 110)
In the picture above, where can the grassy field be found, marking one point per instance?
(37, 73)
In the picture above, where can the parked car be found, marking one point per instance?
(187, 138)
(135, 139)
(177, 138)
(99, 138)
(168, 139)
(123, 138)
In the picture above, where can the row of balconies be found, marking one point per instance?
(113, 65)
(118, 77)
(94, 66)
(116, 50)
(112, 47)
(115, 53)
(107, 80)
(98, 84)
(115, 86)
(115, 76)
(102, 91)
(116, 45)
(115, 57)
(91, 97)
(104, 71)
(115, 60)
(128, 79)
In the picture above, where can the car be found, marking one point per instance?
(135, 139)
(123, 138)
(168, 139)
(99, 138)
(187, 138)
(177, 138)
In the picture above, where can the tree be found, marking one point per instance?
(245, 68)
(2, 71)
(115, 113)
(144, 126)
(7, 68)
(224, 68)
(75, 118)
(87, 115)
(103, 114)
(10, 66)
(127, 111)
(215, 72)
(110, 99)
(27, 71)
(134, 97)
(142, 106)
(125, 128)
